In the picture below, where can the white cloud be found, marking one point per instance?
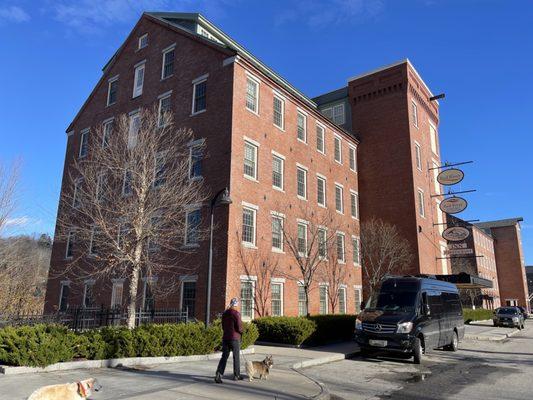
(18, 222)
(319, 13)
(13, 14)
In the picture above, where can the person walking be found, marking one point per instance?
(231, 341)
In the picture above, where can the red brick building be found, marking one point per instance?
(391, 111)
(267, 142)
(510, 262)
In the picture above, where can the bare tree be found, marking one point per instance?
(264, 265)
(131, 207)
(384, 252)
(309, 243)
(333, 272)
(9, 178)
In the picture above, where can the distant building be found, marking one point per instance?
(529, 277)
(510, 263)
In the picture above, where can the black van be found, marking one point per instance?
(411, 316)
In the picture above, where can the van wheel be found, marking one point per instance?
(417, 350)
(454, 345)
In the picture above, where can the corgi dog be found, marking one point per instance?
(260, 368)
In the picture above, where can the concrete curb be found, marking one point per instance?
(323, 360)
(324, 392)
(487, 338)
(113, 363)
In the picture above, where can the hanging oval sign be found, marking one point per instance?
(455, 233)
(453, 205)
(450, 176)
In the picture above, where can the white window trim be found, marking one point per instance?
(423, 214)
(137, 67)
(283, 101)
(343, 246)
(280, 282)
(83, 132)
(109, 82)
(353, 192)
(253, 280)
(323, 127)
(75, 194)
(255, 209)
(71, 233)
(275, 214)
(105, 123)
(304, 114)
(339, 139)
(343, 114)
(342, 288)
(342, 198)
(139, 47)
(418, 151)
(185, 279)
(354, 149)
(192, 145)
(257, 81)
(306, 171)
(164, 53)
(160, 99)
(89, 282)
(62, 285)
(282, 158)
(415, 120)
(358, 262)
(323, 285)
(190, 209)
(93, 230)
(195, 83)
(306, 224)
(323, 178)
(256, 164)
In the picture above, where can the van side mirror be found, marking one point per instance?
(426, 309)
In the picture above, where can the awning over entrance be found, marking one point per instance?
(466, 281)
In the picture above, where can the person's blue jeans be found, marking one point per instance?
(235, 347)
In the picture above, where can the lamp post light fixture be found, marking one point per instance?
(221, 198)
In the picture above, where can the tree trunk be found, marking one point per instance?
(306, 290)
(134, 287)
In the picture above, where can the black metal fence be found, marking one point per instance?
(79, 319)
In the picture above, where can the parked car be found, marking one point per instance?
(411, 316)
(508, 316)
(524, 312)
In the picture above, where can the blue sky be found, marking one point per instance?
(480, 53)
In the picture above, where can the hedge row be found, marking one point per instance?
(479, 314)
(313, 330)
(42, 345)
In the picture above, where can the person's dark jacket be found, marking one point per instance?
(231, 325)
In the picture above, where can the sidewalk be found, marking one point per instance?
(194, 380)
(485, 330)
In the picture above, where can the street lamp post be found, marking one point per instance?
(217, 200)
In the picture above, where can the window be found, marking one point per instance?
(277, 172)
(93, 245)
(354, 205)
(143, 41)
(168, 63)
(418, 157)
(356, 244)
(338, 149)
(107, 131)
(302, 239)
(127, 184)
(76, 195)
(188, 297)
(112, 89)
(277, 299)
(323, 294)
(341, 253)
(247, 299)
(339, 203)
(84, 143)
(279, 112)
(302, 127)
(321, 191)
(421, 206)
(277, 233)
(148, 294)
(101, 184)
(358, 300)
(302, 301)
(328, 113)
(159, 170)
(252, 95)
(433, 138)
(338, 114)
(116, 294)
(414, 113)
(195, 162)
(250, 160)
(164, 108)
(435, 175)
(342, 300)
(138, 81)
(69, 250)
(123, 231)
(199, 97)
(134, 126)
(320, 145)
(353, 158)
(192, 224)
(89, 300)
(322, 245)
(301, 182)
(63, 296)
(248, 225)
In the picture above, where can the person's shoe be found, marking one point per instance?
(237, 377)
(218, 378)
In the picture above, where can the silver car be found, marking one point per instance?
(508, 316)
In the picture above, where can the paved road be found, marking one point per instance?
(479, 370)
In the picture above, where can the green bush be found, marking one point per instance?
(479, 314)
(285, 330)
(42, 345)
(331, 328)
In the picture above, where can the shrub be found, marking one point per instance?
(479, 314)
(286, 330)
(331, 328)
(250, 335)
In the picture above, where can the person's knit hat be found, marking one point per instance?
(234, 302)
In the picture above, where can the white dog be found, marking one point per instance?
(69, 391)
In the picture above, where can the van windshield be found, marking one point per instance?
(400, 301)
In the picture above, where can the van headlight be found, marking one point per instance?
(358, 325)
(515, 319)
(405, 327)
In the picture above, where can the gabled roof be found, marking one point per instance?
(499, 223)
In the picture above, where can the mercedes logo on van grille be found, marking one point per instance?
(378, 327)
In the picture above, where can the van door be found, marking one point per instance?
(431, 329)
